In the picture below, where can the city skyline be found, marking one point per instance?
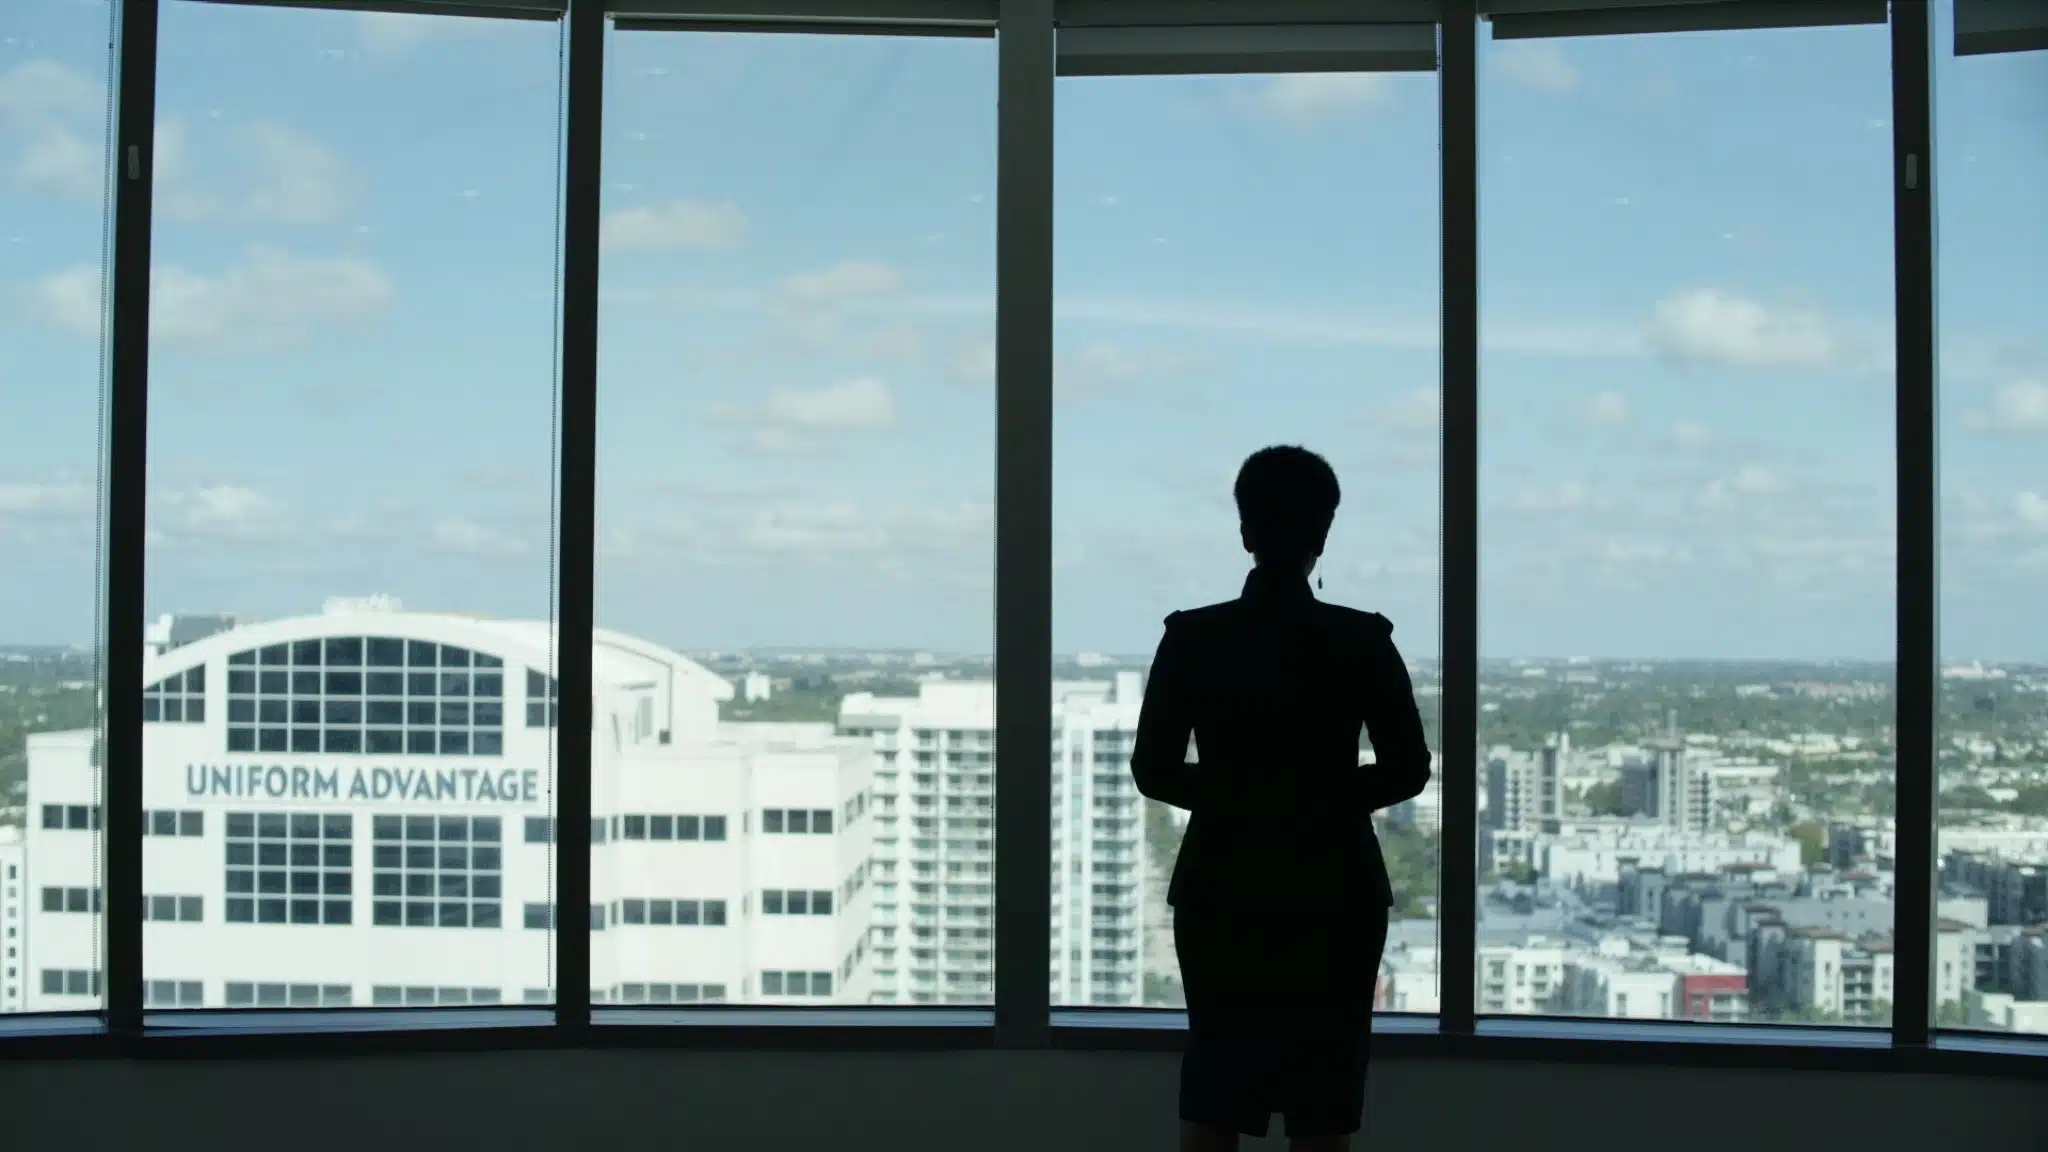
(353, 381)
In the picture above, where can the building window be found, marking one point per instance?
(85, 900)
(543, 699)
(796, 902)
(176, 699)
(71, 982)
(663, 827)
(437, 871)
(661, 993)
(377, 695)
(289, 867)
(174, 994)
(71, 817)
(540, 829)
(796, 821)
(796, 983)
(417, 996)
(680, 913)
(540, 916)
(166, 822)
(254, 995)
(173, 909)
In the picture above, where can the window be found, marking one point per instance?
(540, 830)
(831, 487)
(679, 913)
(796, 821)
(1686, 503)
(174, 909)
(85, 900)
(796, 902)
(434, 699)
(165, 822)
(174, 994)
(1180, 348)
(179, 698)
(437, 872)
(543, 697)
(289, 867)
(796, 983)
(353, 382)
(389, 995)
(71, 982)
(1992, 388)
(255, 995)
(54, 149)
(660, 993)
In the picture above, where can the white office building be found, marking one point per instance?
(934, 842)
(355, 809)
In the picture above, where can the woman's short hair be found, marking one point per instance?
(1286, 498)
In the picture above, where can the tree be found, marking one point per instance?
(1813, 842)
(1952, 1014)
(1604, 799)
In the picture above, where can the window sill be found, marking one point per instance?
(374, 1031)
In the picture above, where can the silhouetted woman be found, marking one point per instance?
(1280, 896)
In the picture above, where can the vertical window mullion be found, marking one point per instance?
(1458, 859)
(582, 182)
(126, 477)
(1024, 281)
(1916, 684)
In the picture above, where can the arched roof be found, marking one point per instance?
(617, 659)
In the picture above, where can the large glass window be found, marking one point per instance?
(1686, 542)
(54, 204)
(1991, 159)
(352, 406)
(795, 518)
(1241, 261)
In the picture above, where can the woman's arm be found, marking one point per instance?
(1159, 763)
(1400, 748)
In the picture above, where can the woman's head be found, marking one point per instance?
(1286, 499)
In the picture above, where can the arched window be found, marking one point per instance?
(179, 698)
(376, 695)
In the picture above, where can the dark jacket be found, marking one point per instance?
(1275, 687)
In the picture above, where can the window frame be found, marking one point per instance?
(1021, 1016)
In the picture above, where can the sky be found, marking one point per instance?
(1686, 387)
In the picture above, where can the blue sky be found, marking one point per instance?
(1686, 406)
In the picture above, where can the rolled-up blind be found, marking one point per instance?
(1984, 27)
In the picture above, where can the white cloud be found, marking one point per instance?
(269, 300)
(396, 33)
(295, 179)
(2032, 510)
(677, 224)
(862, 404)
(1565, 496)
(1711, 326)
(974, 362)
(276, 175)
(1749, 481)
(1419, 411)
(1305, 98)
(1536, 64)
(217, 512)
(828, 527)
(56, 110)
(1101, 368)
(467, 538)
(37, 91)
(1691, 435)
(59, 161)
(1608, 409)
(2019, 408)
(840, 282)
(35, 500)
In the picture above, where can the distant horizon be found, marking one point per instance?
(8, 647)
